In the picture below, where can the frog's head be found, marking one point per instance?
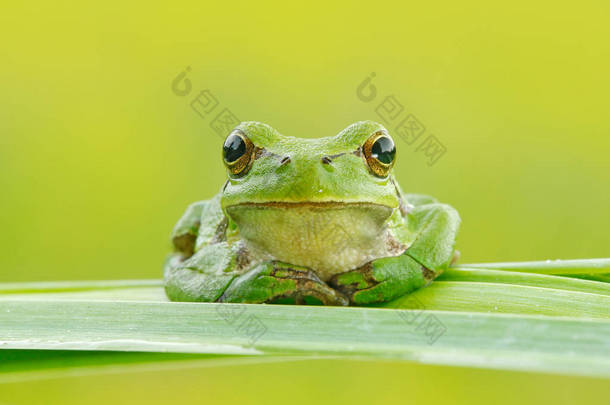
(285, 185)
(265, 167)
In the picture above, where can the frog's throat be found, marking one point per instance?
(328, 237)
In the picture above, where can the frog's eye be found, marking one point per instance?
(237, 153)
(379, 152)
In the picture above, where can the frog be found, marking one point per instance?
(319, 221)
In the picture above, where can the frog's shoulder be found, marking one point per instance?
(200, 221)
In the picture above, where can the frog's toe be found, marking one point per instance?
(309, 289)
(281, 283)
(354, 282)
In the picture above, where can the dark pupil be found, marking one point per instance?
(234, 148)
(384, 150)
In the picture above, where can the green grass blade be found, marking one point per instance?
(483, 315)
(528, 279)
(604, 278)
(566, 267)
(458, 290)
(18, 366)
(16, 361)
(73, 286)
(561, 345)
(505, 298)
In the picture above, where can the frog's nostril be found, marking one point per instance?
(328, 159)
(285, 160)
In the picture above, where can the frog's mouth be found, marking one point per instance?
(329, 237)
(297, 204)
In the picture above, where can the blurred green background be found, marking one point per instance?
(99, 158)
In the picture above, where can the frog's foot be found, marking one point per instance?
(282, 283)
(382, 280)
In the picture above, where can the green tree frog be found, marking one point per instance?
(309, 221)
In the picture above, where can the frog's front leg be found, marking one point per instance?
(200, 269)
(435, 227)
(201, 278)
(206, 277)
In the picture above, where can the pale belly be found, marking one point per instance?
(329, 238)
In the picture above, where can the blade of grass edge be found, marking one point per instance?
(529, 279)
(564, 267)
